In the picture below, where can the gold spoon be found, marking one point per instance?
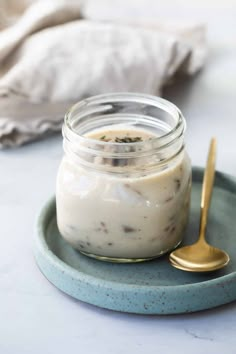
(201, 257)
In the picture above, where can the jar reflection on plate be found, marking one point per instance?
(123, 186)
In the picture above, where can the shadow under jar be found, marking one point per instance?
(123, 186)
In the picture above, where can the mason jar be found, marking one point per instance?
(123, 186)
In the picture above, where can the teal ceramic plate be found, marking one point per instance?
(153, 287)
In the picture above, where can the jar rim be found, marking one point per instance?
(130, 97)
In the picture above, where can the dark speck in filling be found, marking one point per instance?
(128, 229)
(88, 243)
(169, 199)
(167, 228)
(127, 185)
(177, 184)
(81, 246)
(173, 229)
(110, 243)
(128, 139)
(103, 227)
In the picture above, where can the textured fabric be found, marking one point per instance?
(51, 58)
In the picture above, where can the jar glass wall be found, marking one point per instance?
(123, 186)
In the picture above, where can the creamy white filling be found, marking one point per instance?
(123, 217)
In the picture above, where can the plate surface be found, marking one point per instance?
(153, 287)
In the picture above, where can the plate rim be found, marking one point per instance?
(43, 247)
(86, 286)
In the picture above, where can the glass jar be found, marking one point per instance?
(129, 201)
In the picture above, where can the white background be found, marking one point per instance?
(35, 317)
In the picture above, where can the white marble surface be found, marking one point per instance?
(37, 318)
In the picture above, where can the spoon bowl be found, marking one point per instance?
(201, 257)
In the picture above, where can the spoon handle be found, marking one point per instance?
(208, 181)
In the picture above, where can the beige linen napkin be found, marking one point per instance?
(51, 57)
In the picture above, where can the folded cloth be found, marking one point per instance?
(52, 58)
